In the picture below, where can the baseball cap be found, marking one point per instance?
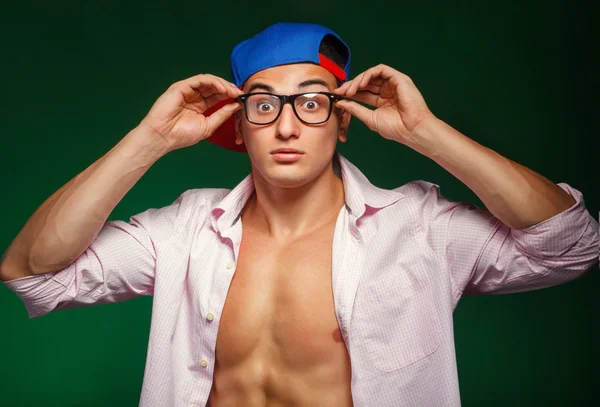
(280, 44)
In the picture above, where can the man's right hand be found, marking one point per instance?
(81, 207)
(177, 116)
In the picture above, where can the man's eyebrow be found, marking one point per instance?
(258, 85)
(267, 88)
(313, 82)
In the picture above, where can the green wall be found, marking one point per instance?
(77, 76)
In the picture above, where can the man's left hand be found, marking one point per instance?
(400, 107)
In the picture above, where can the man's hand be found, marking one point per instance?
(177, 117)
(399, 104)
(516, 195)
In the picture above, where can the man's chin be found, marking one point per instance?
(288, 180)
(289, 175)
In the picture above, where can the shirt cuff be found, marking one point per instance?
(555, 236)
(29, 290)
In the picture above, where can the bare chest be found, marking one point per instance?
(280, 307)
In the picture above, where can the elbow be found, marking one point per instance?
(10, 272)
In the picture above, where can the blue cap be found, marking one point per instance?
(279, 44)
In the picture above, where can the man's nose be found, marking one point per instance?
(288, 125)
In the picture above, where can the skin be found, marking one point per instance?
(287, 349)
(513, 193)
(291, 197)
(279, 343)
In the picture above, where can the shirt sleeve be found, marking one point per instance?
(120, 264)
(484, 256)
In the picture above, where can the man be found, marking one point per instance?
(335, 292)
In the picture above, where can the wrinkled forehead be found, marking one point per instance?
(291, 78)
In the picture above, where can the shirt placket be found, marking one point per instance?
(225, 271)
(347, 257)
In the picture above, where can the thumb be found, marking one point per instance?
(219, 117)
(363, 114)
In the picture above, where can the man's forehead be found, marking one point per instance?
(293, 76)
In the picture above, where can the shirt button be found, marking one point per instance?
(230, 265)
(203, 363)
(210, 316)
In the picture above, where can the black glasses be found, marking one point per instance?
(310, 107)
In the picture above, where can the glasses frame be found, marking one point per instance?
(289, 99)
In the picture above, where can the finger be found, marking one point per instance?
(369, 80)
(378, 81)
(370, 98)
(237, 90)
(200, 79)
(207, 84)
(232, 90)
(220, 116)
(196, 91)
(342, 89)
(355, 84)
(363, 114)
(383, 71)
(365, 80)
(214, 99)
(374, 72)
(376, 89)
(362, 84)
(378, 75)
(201, 95)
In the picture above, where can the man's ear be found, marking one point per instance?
(238, 128)
(345, 117)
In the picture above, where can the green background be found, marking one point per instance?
(517, 77)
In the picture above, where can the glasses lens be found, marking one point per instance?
(262, 109)
(313, 107)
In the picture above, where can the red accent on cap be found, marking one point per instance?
(332, 67)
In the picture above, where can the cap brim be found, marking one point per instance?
(224, 136)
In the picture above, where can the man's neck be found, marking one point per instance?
(286, 214)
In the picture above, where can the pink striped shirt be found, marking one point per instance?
(402, 259)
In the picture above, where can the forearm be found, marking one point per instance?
(516, 195)
(64, 226)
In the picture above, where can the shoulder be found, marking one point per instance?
(422, 194)
(428, 201)
(198, 201)
(190, 207)
(418, 189)
(202, 196)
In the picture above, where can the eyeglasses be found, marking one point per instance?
(311, 108)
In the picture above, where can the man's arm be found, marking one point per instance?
(65, 225)
(533, 234)
(516, 195)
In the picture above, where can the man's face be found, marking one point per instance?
(317, 142)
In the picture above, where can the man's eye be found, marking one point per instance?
(310, 105)
(265, 107)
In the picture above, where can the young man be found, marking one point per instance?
(334, 292)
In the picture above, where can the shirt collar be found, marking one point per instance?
(359, 193)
